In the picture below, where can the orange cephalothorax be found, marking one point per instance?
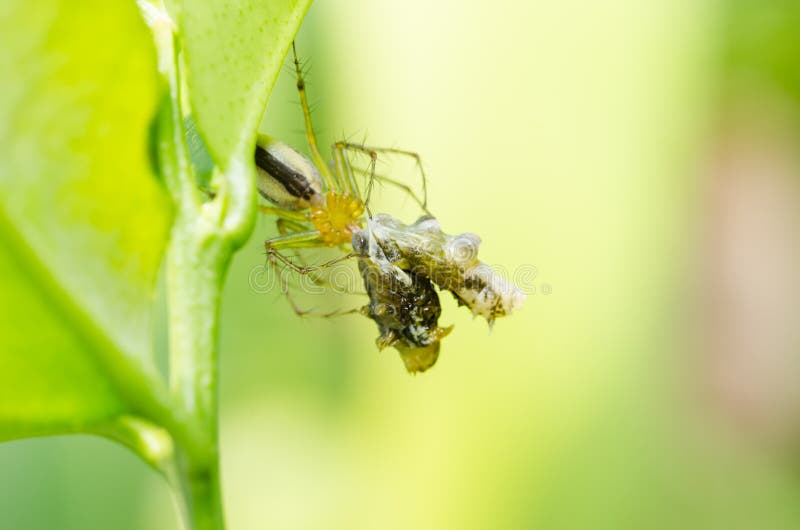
(336, 217)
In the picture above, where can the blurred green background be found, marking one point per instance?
(644, 158)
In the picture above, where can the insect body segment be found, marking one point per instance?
(405, 307)
(451, 262)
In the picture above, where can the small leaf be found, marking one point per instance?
(83, 223)
(234, 51)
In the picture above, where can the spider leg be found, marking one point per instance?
(418, 161)
(307, 313)
(283, 213)
(308, 239)
(288, 221)
(287, 226)
(310, 313)
(372, 152)
(275, 258)
(319, 161)
(396, 183)
(341, 149)
(343, 169)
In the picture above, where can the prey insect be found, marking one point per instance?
(451, 262)
(321, 205)
(404, 305)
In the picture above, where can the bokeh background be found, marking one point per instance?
(644, 157)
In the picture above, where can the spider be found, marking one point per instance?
(317, 204)
(320, 205)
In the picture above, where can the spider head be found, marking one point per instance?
(336, 216)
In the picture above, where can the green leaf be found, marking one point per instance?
(83, 223)
(234, 51)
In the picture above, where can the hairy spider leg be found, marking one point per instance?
(306, 313)
(343, 169)
(286, 226)
(310, 268)
(372, 163)
(287, 222)
(319, 161)
(301, 240)
(310, 313)
(394, 182)
(289, 215)
(342, 150)
(307, 239)
(372, 152)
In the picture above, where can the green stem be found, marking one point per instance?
(198, 493)
(203, 238)
(196, 263)
(197, 259)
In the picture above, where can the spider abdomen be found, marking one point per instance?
(285, 177)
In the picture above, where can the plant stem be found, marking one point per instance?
(197, 259)
(196, 262)
(203, 238)
(198, 493)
